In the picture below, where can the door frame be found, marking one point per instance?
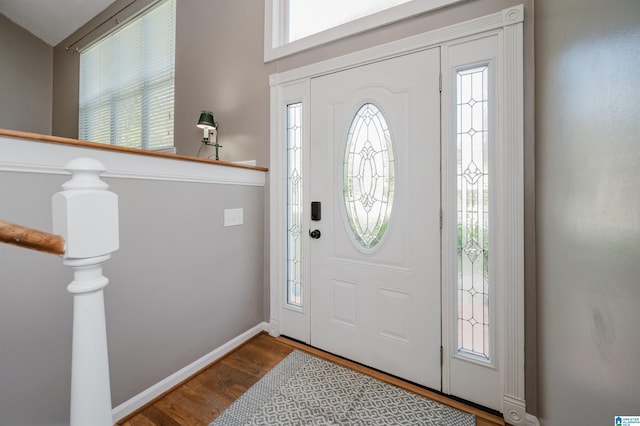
(293, 86)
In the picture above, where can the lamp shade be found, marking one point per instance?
(206, 120)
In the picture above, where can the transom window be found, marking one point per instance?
(306, 17)
(295, 25)
(127, 83)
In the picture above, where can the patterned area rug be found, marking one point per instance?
(305, 390)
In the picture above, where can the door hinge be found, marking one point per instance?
(440, 82)
(441, 214)
(441, 356)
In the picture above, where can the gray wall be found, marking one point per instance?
(219, 67)
(588, 209)
(178, 289)
(26, 79)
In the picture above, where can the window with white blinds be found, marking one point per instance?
(127, 83)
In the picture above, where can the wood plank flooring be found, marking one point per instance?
(202, 398)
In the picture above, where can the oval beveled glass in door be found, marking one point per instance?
(368, 176)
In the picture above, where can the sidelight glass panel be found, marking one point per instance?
(294, 204)
(368, 176)
(472, 110)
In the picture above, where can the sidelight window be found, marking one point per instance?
(294, 204)
(472, 117)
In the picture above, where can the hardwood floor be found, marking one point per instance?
(202, 398)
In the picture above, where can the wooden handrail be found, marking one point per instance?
(32, 239)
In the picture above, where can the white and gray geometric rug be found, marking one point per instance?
(305, 390)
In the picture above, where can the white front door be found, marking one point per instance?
(375, 261)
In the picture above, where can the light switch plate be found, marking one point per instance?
(233, 217)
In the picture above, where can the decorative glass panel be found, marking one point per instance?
(473, 211)
(294, 204)
(369, 176)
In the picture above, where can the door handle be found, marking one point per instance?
(315, 234)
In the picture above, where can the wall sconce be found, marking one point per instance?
(210, 128)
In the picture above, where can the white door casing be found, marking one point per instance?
(507, 200)
(379, 306)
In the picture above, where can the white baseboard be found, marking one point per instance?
(148, 395)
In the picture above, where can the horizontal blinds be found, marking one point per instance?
(127, 83)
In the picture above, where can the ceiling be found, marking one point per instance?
(52, 20)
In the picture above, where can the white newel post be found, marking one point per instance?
(86, 215)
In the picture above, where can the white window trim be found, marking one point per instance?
(275, 15)
(510, 268)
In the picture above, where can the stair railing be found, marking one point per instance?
(85, 233)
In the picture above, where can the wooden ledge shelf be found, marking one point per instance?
(101, 146)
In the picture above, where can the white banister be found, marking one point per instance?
(86, 215)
